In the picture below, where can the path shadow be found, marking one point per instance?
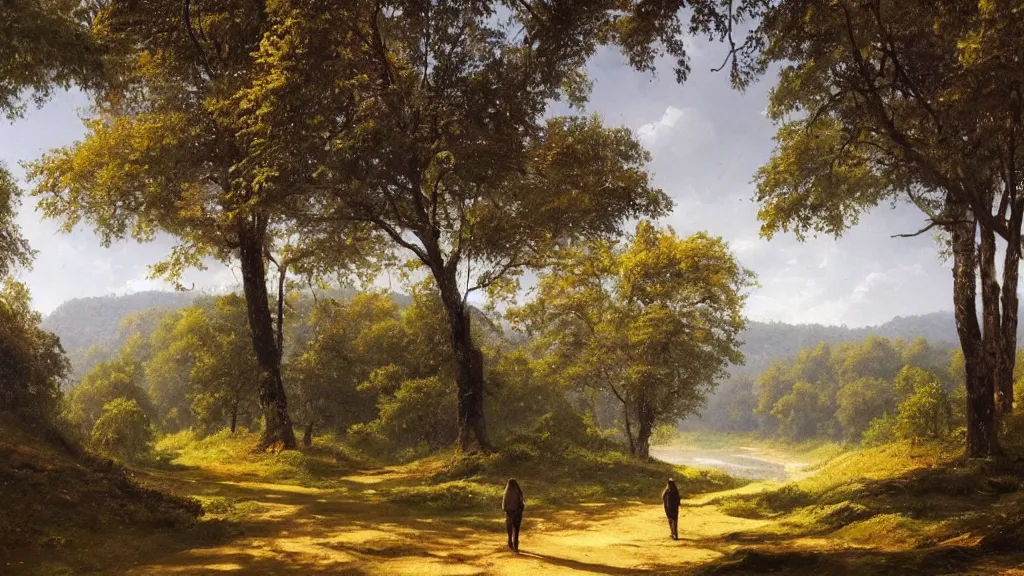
(580, 565)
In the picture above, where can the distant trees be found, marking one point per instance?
(203, 372)
(874, 391)
(653, 321)
(122, 377)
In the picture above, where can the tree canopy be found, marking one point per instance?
(426, 121)
(654, 321)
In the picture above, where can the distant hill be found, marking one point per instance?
(769, 341)
(85, 322)
(89, 328)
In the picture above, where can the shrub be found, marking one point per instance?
(123, 431)
(880, 431)
(418, 419)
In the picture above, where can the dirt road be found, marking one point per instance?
(285, 529)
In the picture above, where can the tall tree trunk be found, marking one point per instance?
(625, 416)
(981, 431)
(469, 374)
(277, 426)
(234, 417)
(645, 427)
(1010, 302)
(992, 319)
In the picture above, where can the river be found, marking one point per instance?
(741, 462)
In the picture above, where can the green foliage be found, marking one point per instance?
(840, 391)
(665, 434)
(203, 372)
(653, 322)
(120, 378)
(803, 413)
(413, 422)
(358, 350)
(859, 402)
(926, 413)
(881, 430)
(32, 363)
(122, 431)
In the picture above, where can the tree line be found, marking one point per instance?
(382, 377)
(871, 392)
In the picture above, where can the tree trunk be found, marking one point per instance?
(981, 432)
(277, 426)
(307, 436)
(645, 427)
(234, 417)
(625, 416)
(469, 361)
(629, 430)
(1010, 302)
(992, 319)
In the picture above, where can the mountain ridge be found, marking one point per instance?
(82, 323)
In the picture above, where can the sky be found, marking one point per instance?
(706, 140)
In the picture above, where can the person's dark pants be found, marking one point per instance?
(512, 522)
(673, 525)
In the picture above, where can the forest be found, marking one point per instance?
(554, 328)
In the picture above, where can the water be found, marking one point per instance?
(738, 462)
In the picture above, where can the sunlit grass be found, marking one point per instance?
(235, 455)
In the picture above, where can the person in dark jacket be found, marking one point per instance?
(670, 498)
(513, 504)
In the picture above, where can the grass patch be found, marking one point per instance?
(555, 471)
(319, 465)
(446, 496)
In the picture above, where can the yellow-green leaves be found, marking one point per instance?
(653, 321)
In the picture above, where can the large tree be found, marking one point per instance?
(427, 121)
(897, 101)
(166, 151)
(654, 321)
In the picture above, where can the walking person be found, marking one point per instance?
(513, 505)
(670, 498)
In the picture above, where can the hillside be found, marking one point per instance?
(765, 342)
(85, 322)
(62, 507)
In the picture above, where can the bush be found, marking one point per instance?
(417, 420)
(123, 431)
(881, 431)
(32, 362)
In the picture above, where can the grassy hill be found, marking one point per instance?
(63, 508)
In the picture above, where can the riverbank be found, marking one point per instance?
(747, 457)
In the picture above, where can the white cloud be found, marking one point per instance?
(650, 133)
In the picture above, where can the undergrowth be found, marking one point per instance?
(57, 497)
(235, 455)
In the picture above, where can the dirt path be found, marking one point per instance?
(285, 529)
